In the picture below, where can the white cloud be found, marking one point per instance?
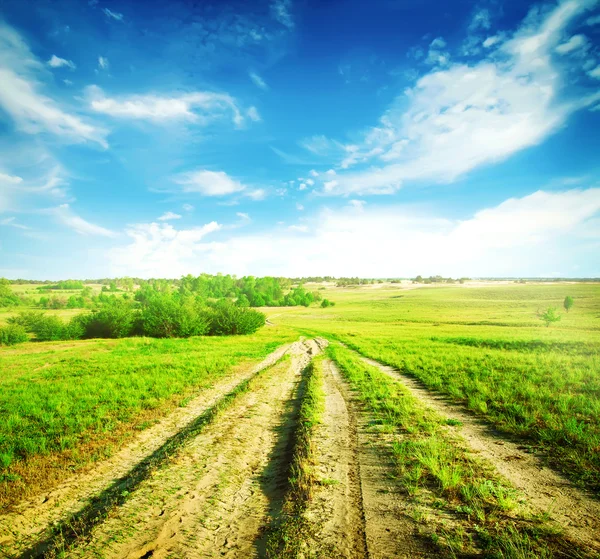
(520, 236)
(200, 107)
(436, 55)
(12, 222)
(103, 62)
(314, 173)
(65, 215)
(595, 73)
(299, 207)
(57, 62)
(256, 194)
(302, 186)
(208, 183)
(253, 115)
(574, 43)
(491, 41)
(188, 207)
(280, 10)
(310, 182)
(243, 216)
(481, 20)
(168, 216)
(460, 118)
(114, 15)
(160, 250)
(32, 111)
(594, 20)
(258, 81)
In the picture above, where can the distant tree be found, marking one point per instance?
(568, 303)
(550, 315)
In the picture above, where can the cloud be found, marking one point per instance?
(253, 115)
(160, 250)
(208, 183)
(299, 207)
(314, 173)
(258, 81)
(595, 73)
(200, 107)
(167, 216)
(32, 111)
(57, 62)
(114, 15)
(103, 63)
(280, 10)
(520, 236)
(594, 20)
(256, 194)
(65, 215)
(574, 43)
(437, 55)
(481, 20)
(11, 222)
(465, 116)
(188, 207)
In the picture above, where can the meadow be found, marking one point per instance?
(486, 347)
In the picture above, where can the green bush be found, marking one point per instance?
(226, 319)
(13, 334)
(116, 319)
(167, 316)
(52, 328)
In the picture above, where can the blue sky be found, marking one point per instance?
(379, 139)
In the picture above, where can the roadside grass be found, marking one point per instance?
(77, 528)
(66, 405)
(287, 534)
(462, 505)
(539, 383)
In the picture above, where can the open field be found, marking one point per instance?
(443, 421)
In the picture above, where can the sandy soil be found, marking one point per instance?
(216, 497)
(546, 491)
(356, 512)
(29, 520)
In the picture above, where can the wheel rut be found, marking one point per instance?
(576, 512)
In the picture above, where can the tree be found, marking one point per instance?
(568, 303)
(550, 315)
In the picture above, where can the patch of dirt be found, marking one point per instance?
(29, 520)
(216, 496)
(362, 514)
(546, 492)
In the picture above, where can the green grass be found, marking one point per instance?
(288, 533)
(485, 347)
(433, 469)
(61, 397)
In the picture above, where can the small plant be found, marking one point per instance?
(13, 334)
(568, 303)
(550, 315)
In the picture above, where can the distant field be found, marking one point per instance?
(486, 347)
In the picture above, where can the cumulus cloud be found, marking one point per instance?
(57, 62)
(200, 107)
(465, 116)
(522, 234)
(20, 96)
(168, 216)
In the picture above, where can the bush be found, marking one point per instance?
(52, 328)
(115, 320)
(27, 319)
(13, 334)
(226, 319)
(166, 316)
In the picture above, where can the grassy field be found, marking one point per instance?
(71, 403)
(486, 347)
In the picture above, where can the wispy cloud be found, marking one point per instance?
(168, 216)
(113, 15)
(463, 117)
(208, 183)
(67, 217)
(103, 63)
(258, 81)
(57, 62)
(12, 222)
(281, 11)
(200, 107)
(32, 111)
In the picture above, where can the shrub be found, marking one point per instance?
(27, 319)
(550, 315)
(116, 319)
(226, 319)
(568, 303)
(165, 316)
(13, 334)
(52, 328)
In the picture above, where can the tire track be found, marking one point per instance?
(31, 521)
(546, 492)
(215, 498)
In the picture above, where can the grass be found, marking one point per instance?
(288, 532)
(436, 473)
(64, 405)
(486, 347)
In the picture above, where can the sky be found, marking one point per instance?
(387, 138)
